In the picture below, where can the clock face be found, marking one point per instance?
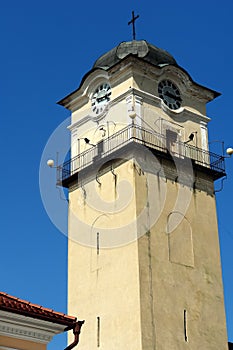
(170, 94)
(101, 98)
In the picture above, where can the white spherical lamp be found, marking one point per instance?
(229, 151)
(50, 163)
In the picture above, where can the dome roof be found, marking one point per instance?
(141, 49)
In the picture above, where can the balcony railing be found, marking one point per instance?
(148, 138)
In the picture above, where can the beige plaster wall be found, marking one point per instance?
(20, 344)
(116, 88)
(149, 82)
(180, 270)
(140, 290)
(159, 121)
(104, 284)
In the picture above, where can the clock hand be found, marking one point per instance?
(175, 97)
(169, 94)
(105, 97)
(100, 99)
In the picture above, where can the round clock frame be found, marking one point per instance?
(170, 94)
(100, 98)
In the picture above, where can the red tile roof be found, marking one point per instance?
(23, 307)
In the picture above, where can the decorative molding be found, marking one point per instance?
(140, 97)
(203, 124)
(80, 96)
(130, 64)
(22, 332)
(87, 118)
(28, 328)
(187, 85)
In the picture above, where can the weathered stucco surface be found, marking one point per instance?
(140, 290)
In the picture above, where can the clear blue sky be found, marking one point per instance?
(46, 48)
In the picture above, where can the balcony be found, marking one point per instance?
(160, 145)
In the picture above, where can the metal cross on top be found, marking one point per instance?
(133, 23)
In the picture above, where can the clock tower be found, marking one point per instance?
(144, 266)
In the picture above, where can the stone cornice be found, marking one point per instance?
(79, 97)
(187, 85)
(180, 114)
(125, 69)
(27, 328)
